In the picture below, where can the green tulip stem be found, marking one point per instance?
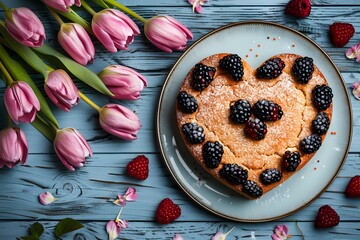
(56, 16)
(8, 79)
(3, 6)
(126, 9)
(88, 8)
(89, 101)
(74, 17)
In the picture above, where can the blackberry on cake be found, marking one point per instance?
(202, 76)
(234, 173)
(193, 132)
(212, 153)
(291, 160)
(252, 189)
(255, 129)
(321, 123)
(303, 69)
(233, 65)
(267, 110)
(187, 102)
(271, 69)
(240, 111)
(322, 97)
(310, 143)
(270, 176)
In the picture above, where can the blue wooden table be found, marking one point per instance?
(84, 194)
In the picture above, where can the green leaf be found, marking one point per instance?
(74, 17)
(44, 128)
(36, 229)
(79, 71)
(30, 238)
(67, 225)
(19, 73)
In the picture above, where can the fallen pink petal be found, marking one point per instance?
(114, 227)
(221, 236)
(280, 233)
(129, 196)
(177, 237)
(197, 5)
(353, 52)
(356, 89)
(46, 198)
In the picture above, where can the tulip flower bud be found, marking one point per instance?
(61, 89)
(25, 27)
(21, 102)
(167, 33)
(119, 121)
(76, 42)
(13, 147)
(62, 5)
(114, 29)
(72, 148)
(125, 83)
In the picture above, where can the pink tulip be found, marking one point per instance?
(76, 42)
(13, 147)
(72, 148)
(21, 102)
(114, 29)
(167, 33)
(119, 121)
(25, 27)
(61, 90)
(123, 82)
(62, 5)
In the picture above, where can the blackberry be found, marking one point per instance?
(271, 69)
(193, 132)
(321, 123)
(252, 189)
(322, 96)
(234, 173)
(255, 129)
(233, 65)
(267, 110)
(303, 69)
(240, 111)
(291, 160)
(202, 76)
(187, 102)
(270, 176)
(310, 143)
(212, 153)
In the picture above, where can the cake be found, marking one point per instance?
(252, 129)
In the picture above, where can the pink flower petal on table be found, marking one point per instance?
(197, 5)
(353, 52)
(177, 237)
(280, 233)
(114, 227)
(356, 89)
(46, 198)
(129, 196)
(221, 236)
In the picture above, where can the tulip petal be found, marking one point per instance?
(46, 198)
(113, 229)
(177, 237)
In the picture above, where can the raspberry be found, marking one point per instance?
(233, 65)
(291, 160)
(298, 8)
(303, 69)
(341, 33)
(234, 173)
(267, 110)
(193, 132)
(255, 129)
(138, 167)
(322, 96)
(270, 175)
(202, 76)
(326, 217)
(321, 123)
(240, 111)
(187, 102)
(252, 189)
(310, 143)
(271, 69)
(353, 188)
(167, 211)
(212, 153)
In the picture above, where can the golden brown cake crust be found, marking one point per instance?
(285, 134)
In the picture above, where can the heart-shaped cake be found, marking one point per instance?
(249, 128)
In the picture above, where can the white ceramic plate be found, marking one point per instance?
(255, 42)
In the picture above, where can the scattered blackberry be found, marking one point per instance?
(303, 69)
(252, 189)
(271, 69)
(321, 123)
(212, 153)
(267, 110)
(193, 132)
(270, 176)
(202, 76)
(240, 111)
(187, 102)
(291, 160)
(310, 143)
(234, 173)
(255, 129)
(322, 96)
(233, 65)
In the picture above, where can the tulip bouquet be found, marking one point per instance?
(23, 33)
